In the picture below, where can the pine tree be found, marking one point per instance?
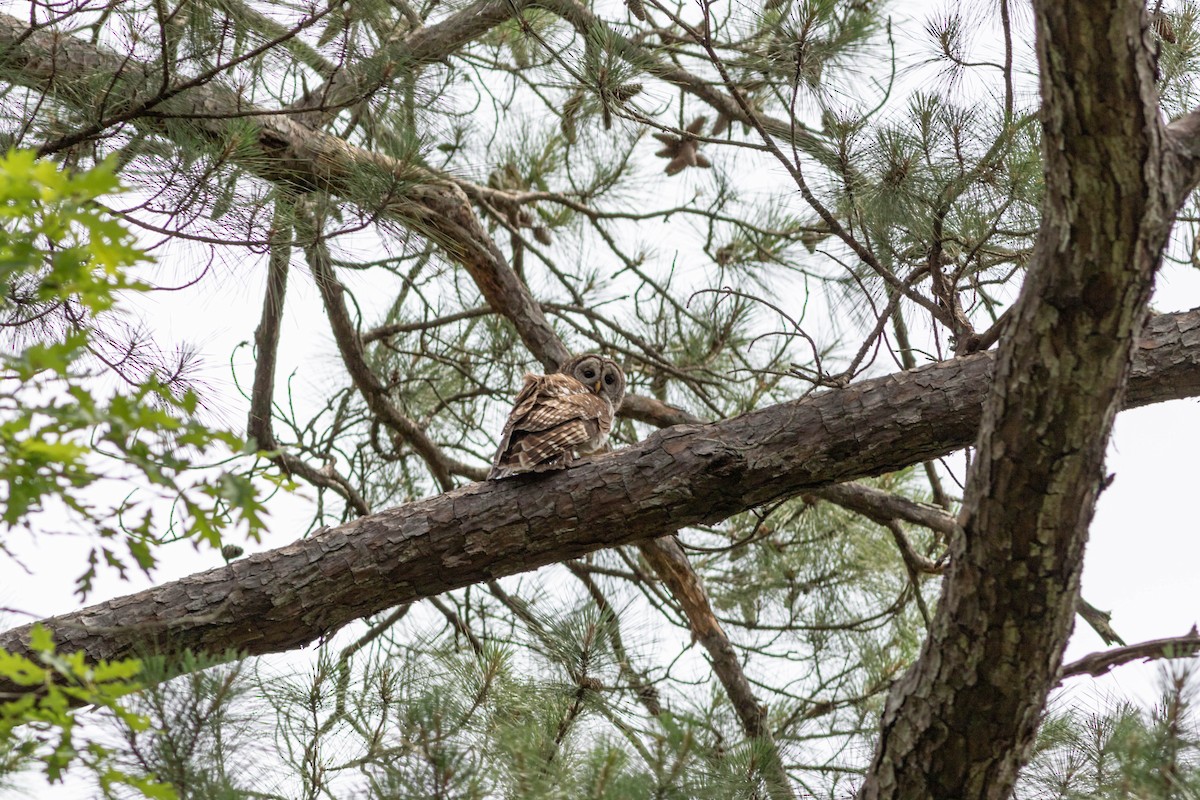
(881, 239)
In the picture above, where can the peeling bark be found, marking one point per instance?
(671, 564)
(1097, 664)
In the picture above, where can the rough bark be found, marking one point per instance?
(288, 597)
(962, 721)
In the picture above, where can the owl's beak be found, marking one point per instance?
(596, 388)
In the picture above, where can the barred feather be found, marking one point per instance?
(553, 417)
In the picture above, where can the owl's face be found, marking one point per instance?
(600, 375)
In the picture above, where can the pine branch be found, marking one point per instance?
(400, 55)
(881, 506)
(375, 394)
(281, 599)
(671, 563)
(266, 344)
(647, 695)
(646, 59)
(1097, 664)
(266, 337)
(283, 152)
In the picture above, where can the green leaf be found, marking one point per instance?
(40, 639)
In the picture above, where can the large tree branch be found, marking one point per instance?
(285, 598)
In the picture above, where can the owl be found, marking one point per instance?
(556, 415)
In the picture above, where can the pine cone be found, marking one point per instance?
(649, 697)
(682, 151)
(1162, 24)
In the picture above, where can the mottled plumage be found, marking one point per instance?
(557, 415)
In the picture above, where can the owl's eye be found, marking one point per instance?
(608, 379)
(589, 373)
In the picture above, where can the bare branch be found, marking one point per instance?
(366, 381)
(400, 55)
(266, 339)
(673, 568)
(281, 599)
(1098, 664)
(882, 506)
(1100, 621)
(262, 393)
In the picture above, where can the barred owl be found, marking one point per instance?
(570, 410)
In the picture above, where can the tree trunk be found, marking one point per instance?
(962, 720)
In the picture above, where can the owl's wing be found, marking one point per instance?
(560, 425)
(525, 401)
(553, 415)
